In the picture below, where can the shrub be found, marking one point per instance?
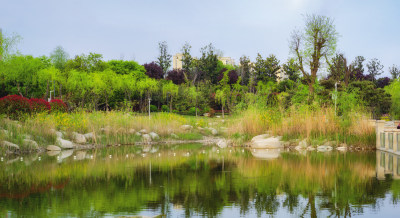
(192, 111)
(164, 108)
(14, 106)
(57, 105)
(153, 108)
(39, 105)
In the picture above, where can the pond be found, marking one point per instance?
(199, 181)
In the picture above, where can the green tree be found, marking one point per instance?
(223, 91)
(8, 44)
(374, 68)
(164, 58)
(208, 63)
(317, 41)
(59, 58)
(169, 89)
(291, 69)
(187, 59)
(394, 71)
(245, 69)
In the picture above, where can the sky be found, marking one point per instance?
(131, 29)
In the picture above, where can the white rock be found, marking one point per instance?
(222, 143)
(342, 148)
(154, 136)
(186, 127)
(303, 143)
(57, 133)
(30, 143)
(10, 145)
(79, 138)
(64, 143)
(263, 141)
(324, 148)
(298, 148)
(53, 153)
(53, 148)
(206, 114)
(88, 136)
(146, 138)
(218, 116)
(143, 131)
(213, 131)
(138, 134)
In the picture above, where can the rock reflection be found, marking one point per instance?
(266, 153)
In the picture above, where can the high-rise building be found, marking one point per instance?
(177, 61)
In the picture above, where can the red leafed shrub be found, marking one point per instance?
(39, 105)
(14, 106)
(57, 105)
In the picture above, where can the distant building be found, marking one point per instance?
(227, 61)
(177, 61)
(281, 74)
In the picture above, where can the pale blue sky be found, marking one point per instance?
(132, 29)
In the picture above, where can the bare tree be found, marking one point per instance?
(317, 41)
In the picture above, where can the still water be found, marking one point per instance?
(199, 181)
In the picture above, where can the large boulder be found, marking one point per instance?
(9, 145)
(78, 138)
(89, 136)
(264, 141)
(64, 143)
(30, 143)
(186, 127)
(57, 133)
(213, 131)
(154, 136)
(53, 148)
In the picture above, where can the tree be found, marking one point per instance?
(7, 44)
(374, 68)
(317, 41)
(222, 93)
(89, 63)
(394, 71)
(265, 70)
(177, 76)
(245, 69)
(59, 58)
(338, 69)
(153, 70)
(169, 89)
(126, 67)
(164, 59)
(358, 69)
(186, 58)
(291, 69)
(208, 63)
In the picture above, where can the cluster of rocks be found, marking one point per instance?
(326, 146)
(26, 142)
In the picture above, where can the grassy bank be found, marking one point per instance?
(111, 128)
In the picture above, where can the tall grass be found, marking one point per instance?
(305, 122)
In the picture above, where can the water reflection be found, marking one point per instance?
(193, 180)
(266, 153)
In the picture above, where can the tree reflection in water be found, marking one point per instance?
(204, 184)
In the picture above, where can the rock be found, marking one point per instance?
(88, 136)
(264, 141)
(186, 127)
(143, 131)
(266, 153)
(30, 143)
(78, 138)
(154, 136)
(10, 145)
(64, 143)
(303, 143)
(330, 143)
(218, 116)
(131, 131)
(80, 155)
(213, 131)
(324, 148)
(53, 148)
(57, 133)
(200, 128)
(174, 136)
(342, 148)
(53, 153)
(343, 145)
(146, 138)
(222, 143)
(310, 148)
(298, 148)
(138, 134)
(206, 114)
